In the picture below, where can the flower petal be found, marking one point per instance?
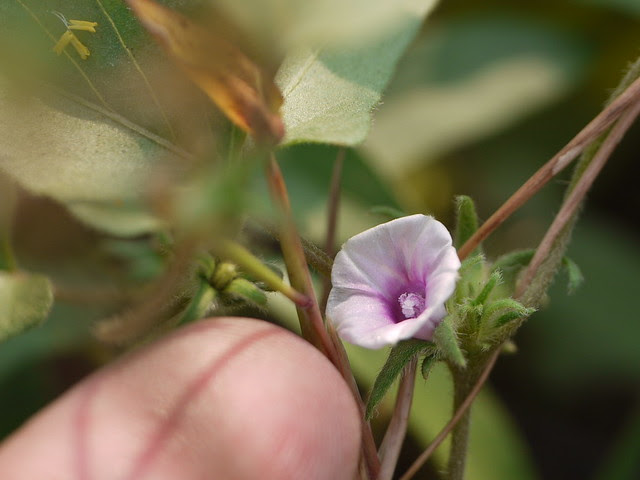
(410, 254)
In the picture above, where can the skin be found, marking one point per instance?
(228, 398)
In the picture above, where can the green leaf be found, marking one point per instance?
(287, 24)
(399, 356)
(329, 93)
(25, 301)
(91, 133)
(83, 159)
(447, 341)
(513, 261)
(467, 220)
(574, 273)
(427, 364)
(506, 66)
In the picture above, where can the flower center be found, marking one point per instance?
(412, 304)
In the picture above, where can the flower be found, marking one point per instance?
(391, 282)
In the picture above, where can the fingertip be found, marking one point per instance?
(223, 398)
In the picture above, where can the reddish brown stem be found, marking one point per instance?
(397, 429)
(554, 166)
(332, 221)
(311, 323)
(573, 201)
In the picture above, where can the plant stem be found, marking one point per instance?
(311, 322)
(554, 166)
(251, 264)
(464, 380)
(625, 104)
(397, 429)
(332, 221)
(460, 412)
(576, 195)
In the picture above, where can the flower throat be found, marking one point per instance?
(411, 304)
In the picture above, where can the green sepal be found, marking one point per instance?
(513, 260)
(246, 290)
(399, 356)
(574, 273)
(494, 279)
(471, 278)
(500, 312)
(199, 304)
(466, 222)
(206, 266)
(427, 364)
(510, 265)
(447, 341)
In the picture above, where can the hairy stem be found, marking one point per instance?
(248, 262)
(460, 412)
(332, 221)
(554, 166)
(311, 322)
(624, 104)
(464, 382)
(567, 214)
(397, 429)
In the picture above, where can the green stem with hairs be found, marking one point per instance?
(251, 264)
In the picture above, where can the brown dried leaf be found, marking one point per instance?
(244, 91)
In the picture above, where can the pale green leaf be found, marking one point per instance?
(466, 220)
(504, 69)
(289, 23)
(399, 357)
(329, 93)
(90, 132)
(25, 301)
(81, 158)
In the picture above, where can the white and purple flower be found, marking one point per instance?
(391, 282)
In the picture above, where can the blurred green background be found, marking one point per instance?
(487, 93)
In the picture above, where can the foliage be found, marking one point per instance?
(133, 193)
